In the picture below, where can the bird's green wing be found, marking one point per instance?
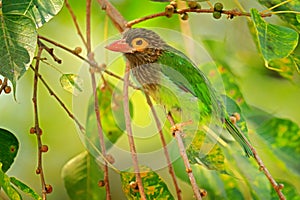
(184, 73)
(191, 79)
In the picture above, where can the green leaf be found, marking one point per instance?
(18, 36)
(286, 67)
(26, 189)
(81, 176)
(213, 160)
(71, 83)
(112, 117)
(9, 148)
(18, 39)
(290, 192)
(275, 42)
(154, 186)
(11, 192)
(40, 11)
(283, 137)
(292, 19)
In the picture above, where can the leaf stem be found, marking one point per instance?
(75, 22)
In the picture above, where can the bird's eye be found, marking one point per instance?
(139, 44)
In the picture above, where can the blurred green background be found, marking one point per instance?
(260, 87)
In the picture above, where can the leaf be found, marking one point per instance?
(26, 189)
(154, 186)
(112, 118)
(9, 148)
(292, 19)
(290, 192)
(213, 160)
(71, 83)
(10, 191)
(283, 137)
(18, 38)
(285, 66)
(40, 11)
(81, 175)
(43, 11)
(275, 42)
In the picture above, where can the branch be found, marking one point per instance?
(164, 144)
(277, 187)
(37, 130)
(75, 22)
(229, 13)
(129, 133)
(97, 68)
(114, 15)
(52, 93)
(177, 134)
(96, 101)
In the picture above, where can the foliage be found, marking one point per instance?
(224, 172)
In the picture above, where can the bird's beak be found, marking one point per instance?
(120, 46)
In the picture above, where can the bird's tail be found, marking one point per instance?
(239, 137)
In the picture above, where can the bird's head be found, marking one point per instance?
(140, 46)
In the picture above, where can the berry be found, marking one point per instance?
(217, 14)
(48, 188)
(44, 148)
(174, 4)
(101, 183)
(194, 5)
(184, 16)
(37, 171)
(134, 186)
(78, 50)
(218, 7)
(110, 158)
(32, 130)
(203, 193)
(7, 89)
(232, 119)
(169, 11)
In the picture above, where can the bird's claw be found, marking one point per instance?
(235, 117)
(178, 126)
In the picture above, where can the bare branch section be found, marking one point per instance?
(177, 134)
(130, 135)
(37, 130)
(114, 15)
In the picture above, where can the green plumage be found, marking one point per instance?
(161, 69)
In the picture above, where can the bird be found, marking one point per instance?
(160, 69)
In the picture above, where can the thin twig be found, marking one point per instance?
(177, 135)
(75, 22)
(97, 67)
(129, 133)
(230, 13)
(113, 14)
(52, 93)
(277, 187)
(96, 101)
(164, 144)
(38, 132)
